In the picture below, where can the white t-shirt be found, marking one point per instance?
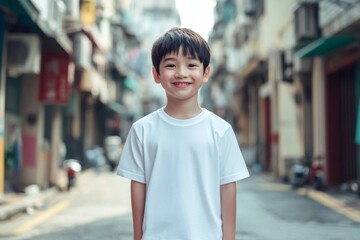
(183, 163)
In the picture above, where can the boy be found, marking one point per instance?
(182, 159)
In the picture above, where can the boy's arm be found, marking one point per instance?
(138, 195)
(228, 210)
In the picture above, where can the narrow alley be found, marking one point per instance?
(75, 75)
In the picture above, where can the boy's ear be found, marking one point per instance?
(155, 75)
(206, 74)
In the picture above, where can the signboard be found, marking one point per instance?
(54, 86)
(88, 12)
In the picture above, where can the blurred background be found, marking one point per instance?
(285, 74)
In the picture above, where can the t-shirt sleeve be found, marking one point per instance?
(131, 163)
(232, 164)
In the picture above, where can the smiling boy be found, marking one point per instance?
(183, 160)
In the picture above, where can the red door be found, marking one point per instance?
(266, 132)
(340, 125)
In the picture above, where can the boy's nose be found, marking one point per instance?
(181, 73)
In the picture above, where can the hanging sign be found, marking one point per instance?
(54, 86)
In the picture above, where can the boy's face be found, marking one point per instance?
(181, 76)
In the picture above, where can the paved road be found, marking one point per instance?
(272, 211)
(99, 208)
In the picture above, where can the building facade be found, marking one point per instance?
(59, 94)
(295, 65)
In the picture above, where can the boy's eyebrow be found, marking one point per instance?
(168, 59)
(173, 58)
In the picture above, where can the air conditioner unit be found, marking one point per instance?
(56, 15)
(306, 17)
(72, 12)
(250, 7)
(23, 54)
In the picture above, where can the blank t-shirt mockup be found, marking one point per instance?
(183, 164)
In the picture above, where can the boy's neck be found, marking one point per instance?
(182, 110)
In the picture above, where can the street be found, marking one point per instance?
(99, 208)
(273, 211)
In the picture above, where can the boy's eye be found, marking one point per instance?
(170, 65)
(192, 65)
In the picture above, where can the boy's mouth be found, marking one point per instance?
(181, 84)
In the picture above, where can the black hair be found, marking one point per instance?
(191, 42)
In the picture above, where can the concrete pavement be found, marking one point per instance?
(99, 197)
(19, 202)
(15, 203)
(347, 204)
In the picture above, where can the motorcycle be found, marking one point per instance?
(317, 175)
(113, 150)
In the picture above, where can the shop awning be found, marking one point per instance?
(324, 46)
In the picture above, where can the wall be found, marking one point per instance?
(318, 96)
(276, 26)
(34, 158)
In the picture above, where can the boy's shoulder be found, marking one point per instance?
(149, 118)
(218, 120)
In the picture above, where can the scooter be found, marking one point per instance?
(72, 167)
(300, 174)
(96, 158)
